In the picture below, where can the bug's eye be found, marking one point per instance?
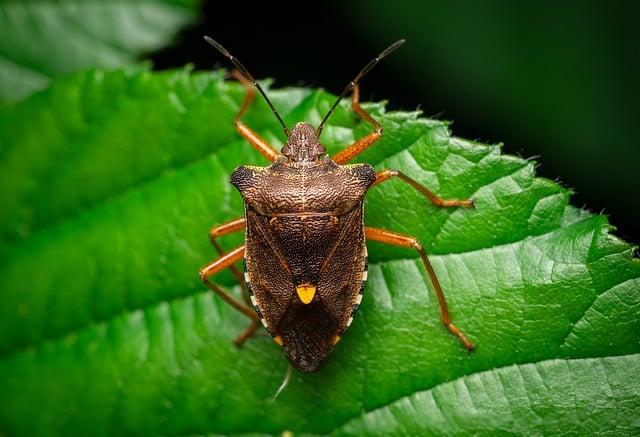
(285, 150)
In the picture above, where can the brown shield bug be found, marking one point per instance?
(305, 252)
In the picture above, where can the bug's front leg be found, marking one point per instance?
(216, 266)
(396, 239)
(360, 145)
(259, 143)
(385, 175)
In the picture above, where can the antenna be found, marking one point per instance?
(246, 74)
(359, 76)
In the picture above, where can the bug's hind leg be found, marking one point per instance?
(360, 145)
(247, 334)
(395, 239)
(225, 261)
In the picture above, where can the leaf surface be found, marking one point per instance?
(44, 39)
(112, 183)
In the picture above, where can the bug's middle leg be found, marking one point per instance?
(259, 143)
(396, 239)
(385, 175)
(224, 229)
(360, 145)
(216, 266)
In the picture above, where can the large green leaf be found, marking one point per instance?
(110, 184)
(43, 39)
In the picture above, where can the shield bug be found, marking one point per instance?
(305, 243)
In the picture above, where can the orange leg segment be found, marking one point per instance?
(360, 145)
(214, 267)
(395, 239)
(224, 229)
(385, 175)
(259, 143)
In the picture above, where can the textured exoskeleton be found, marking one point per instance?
(305, 253)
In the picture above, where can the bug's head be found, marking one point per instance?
(303, 144)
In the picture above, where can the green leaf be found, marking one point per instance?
(548, 398)
(44, 39)
(110, 184)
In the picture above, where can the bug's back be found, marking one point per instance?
(305, 251)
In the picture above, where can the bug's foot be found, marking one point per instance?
(468, 345)
(469, 203)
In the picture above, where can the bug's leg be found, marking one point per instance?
(356, 148)
(259, 143)
(247, 334)
(395, 239)
(385, 175)
(214, 267)
(224, 229)
(219, 264)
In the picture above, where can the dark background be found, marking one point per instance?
(555, 81)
